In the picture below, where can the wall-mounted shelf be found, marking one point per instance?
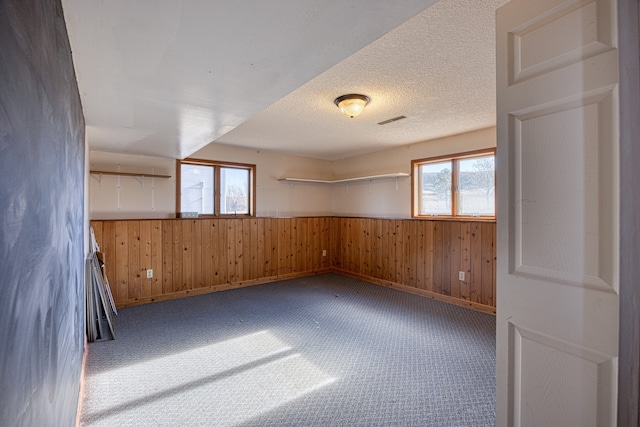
(139, 175)
(337, 181)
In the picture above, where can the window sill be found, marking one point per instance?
(454, 218)
(222, 216)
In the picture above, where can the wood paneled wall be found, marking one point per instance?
(192, 256)
(423, 257)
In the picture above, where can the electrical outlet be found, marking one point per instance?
(149, 273)
(461, 275)
(324, 252)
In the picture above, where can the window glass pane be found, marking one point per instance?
(476, 196)
(435, 187)
(234, 191)
(196, 195)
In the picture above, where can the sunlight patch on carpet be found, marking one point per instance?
(242, 378)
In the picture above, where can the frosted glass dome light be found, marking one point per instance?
(351, 105)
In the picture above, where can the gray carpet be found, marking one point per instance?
(324, 350)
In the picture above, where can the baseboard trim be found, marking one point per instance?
(246, 283)
(421, 292)
(217, 288)
(81, 388)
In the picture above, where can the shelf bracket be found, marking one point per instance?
(153, 190)
(140, 179)
(118, 187)
(98, 178)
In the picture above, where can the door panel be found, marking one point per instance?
(557, 171)
(567, 374)
(557, 36)
(562, 211)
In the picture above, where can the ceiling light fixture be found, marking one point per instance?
(351, 105)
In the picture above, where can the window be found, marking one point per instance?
(456, 186)
(215, 188)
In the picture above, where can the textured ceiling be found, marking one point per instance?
(165, 78)
(437, 69)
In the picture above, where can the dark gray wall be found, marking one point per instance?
(41, 218)
(629, 358)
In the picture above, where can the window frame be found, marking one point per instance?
(416, 185)
(217, 165)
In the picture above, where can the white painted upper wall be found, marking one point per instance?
(124, 197)
(147, 198)
(278, 198)
(381, 198)
(113, 197)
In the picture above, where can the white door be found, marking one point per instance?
(557, 281)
